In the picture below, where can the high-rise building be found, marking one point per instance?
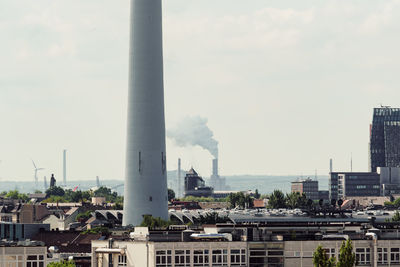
(145, 191)
(307, 186)
(384, 145)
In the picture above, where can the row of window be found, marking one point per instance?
(363, 255)
(200, 257)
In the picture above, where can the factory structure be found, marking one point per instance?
(145, 191)
(194, 185)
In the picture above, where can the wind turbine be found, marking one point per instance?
(36, 170)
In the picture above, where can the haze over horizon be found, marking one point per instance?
(284, 86)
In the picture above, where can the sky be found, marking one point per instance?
(283, 85)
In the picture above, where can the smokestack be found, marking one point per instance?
(45, 183)
(179, 179)
(146, 190)
(215, 167)
(65, 167)
(330, 166)
(97, 181)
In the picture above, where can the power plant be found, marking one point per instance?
(145, 191)
(217, 182)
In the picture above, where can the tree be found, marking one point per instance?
(257, 195)
(277, 200)
(320, 258)
(64, 263)
(151, 222)
(97, 230)
(295, 200)
(55, 191)
(347, 258)
(396, 217)
(171, 194)
(14, 194)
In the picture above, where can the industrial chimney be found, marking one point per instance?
(65, 167)
(179, 179)
(146, 172)
(215, 167)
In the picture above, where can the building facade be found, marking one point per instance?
(29, 256)
(353, 184)
(285, 253)
(307, 186)
(384, 145)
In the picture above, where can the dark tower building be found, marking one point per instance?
(384, 146)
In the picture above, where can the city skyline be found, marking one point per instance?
(284, 87)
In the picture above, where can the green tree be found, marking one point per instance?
(83, 216)
(321, 259)
(295, 200)
(55, 191)
(277, 200)
(64, 263)
(396, 203)
(97, 230)
(396, 217)
(151, 222)
(171, 194)
(257, 195)
(15, 194)
(347, 258)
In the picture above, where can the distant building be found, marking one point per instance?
(353, 184)
(384, 145)
(389, 180)
(307, 186)
(21, 231)
(195, 185)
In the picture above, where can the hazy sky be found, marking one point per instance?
(285, 85)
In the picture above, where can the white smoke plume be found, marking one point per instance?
(193, 131)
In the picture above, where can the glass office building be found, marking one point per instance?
(384, 146)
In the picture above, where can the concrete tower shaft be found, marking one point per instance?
(146, 174)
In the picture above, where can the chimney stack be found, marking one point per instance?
(65, 167)
(215, 167)
(179, 179)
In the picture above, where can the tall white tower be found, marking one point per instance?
(146, 174)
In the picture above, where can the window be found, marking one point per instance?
(363, 256)
(200, 257)
(220, 257)
(163, 258)
(122, 260)
(394, 255)
(182, 257)
(383, 255)
(330, 252)
(238, 257)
